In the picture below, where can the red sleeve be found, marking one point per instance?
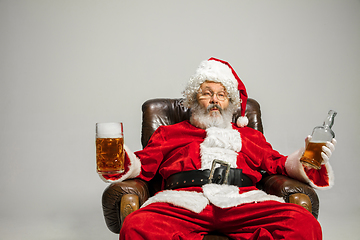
(151, 156)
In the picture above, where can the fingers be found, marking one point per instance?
(331, 146)
(328, 149)
(325, 158)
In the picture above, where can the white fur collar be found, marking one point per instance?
(222, 144)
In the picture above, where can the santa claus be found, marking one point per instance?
(210, 168)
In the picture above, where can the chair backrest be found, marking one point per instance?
(165, 111)
(158, 112)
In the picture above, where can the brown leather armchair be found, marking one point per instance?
(121, 198)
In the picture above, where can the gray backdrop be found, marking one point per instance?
(66, 65)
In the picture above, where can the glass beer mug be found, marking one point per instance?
(109, 150)
(320, 135)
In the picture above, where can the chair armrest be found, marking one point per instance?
(292, 191)
(120, 199)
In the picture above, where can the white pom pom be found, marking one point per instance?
(242, 121)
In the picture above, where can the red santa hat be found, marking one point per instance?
(217, 70)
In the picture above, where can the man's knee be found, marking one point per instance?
(305, 224)
(133, 225)
(133, 221)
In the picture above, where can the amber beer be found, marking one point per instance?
(312, 155)
(109, 150)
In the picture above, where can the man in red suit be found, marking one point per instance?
(210, 145)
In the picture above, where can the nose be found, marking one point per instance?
(214, 99)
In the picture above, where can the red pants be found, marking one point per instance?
(263, 221)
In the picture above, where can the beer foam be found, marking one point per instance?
(109, 130)
(318, 141)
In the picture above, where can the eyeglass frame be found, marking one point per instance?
(202, 96)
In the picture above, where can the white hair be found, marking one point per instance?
(213, 71)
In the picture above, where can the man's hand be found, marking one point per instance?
(327, 150)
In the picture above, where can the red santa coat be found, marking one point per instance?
(184, 147)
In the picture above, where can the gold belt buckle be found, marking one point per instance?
(213, 170)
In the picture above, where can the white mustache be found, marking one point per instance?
(214, 106)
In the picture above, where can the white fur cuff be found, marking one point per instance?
(295, 169)
(134, 167)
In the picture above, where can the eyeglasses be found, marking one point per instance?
(208, 94)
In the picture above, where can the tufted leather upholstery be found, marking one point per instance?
(158, 112)
(120, 199)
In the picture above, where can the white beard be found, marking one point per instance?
(202, 118)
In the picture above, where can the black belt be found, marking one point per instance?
(195, 178)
